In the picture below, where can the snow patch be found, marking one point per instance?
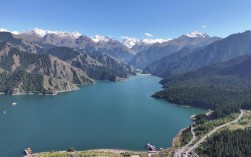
(99, 38)
(153, 41)
(196, 34)
(15, 32)
(3, 30)
(131, 42)
(41, 33)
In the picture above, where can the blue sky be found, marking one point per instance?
(133, 18)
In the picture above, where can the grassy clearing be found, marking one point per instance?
(177, 139)
(244, 122)
(183, 138)
(233, 139)
(202, 129)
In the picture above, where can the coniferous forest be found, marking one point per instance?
(223, 87)
(228, 144)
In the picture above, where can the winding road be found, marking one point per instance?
(180, 151)
(187, 151)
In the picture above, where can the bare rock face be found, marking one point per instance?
(95, 64)
(23, 72)
(222, 50)
(59, 69)
(53, 85)
(42, 67)
(160, 50)
(105, 45)
(21, 44)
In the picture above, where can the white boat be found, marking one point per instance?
(28, 151)
(151, 147)
(4, 112)
(14, 103)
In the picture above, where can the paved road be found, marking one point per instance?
(187, 149)
(213, 131)
(180, 151)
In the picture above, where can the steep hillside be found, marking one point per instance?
(24, 72)
(158, 51)
(97, 65)
(158, 68)
(49, 39)
(224, 87)
(223, 50)
(22, 44)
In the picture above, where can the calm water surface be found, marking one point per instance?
(119, 115)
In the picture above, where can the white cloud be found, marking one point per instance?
(148, 34)
(204, 26)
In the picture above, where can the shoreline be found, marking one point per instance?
(179, 103)
(47, 94)
(44, 94)
(78, 86)
(74, 89)
(115, 151)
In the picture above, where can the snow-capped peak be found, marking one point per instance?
(37, 32)
(61, 34)
(153, 41)
(15, 32)
(41, 33)
(4, 30)
(99, 38)
(196, 34)
(131, 42)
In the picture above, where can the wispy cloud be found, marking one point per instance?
(148, 34)
(204, 26)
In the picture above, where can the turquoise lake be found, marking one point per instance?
(120, 115)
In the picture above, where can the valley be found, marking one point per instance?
(84, 119)
(194, 70)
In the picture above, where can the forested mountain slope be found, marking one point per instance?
(225, 87)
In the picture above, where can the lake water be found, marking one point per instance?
(119, 115)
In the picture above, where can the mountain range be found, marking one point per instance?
(159, 50)
(53, 69)
(63, 60)
(190, 59)
(216, 76)
(124, 50)
(139, 45)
